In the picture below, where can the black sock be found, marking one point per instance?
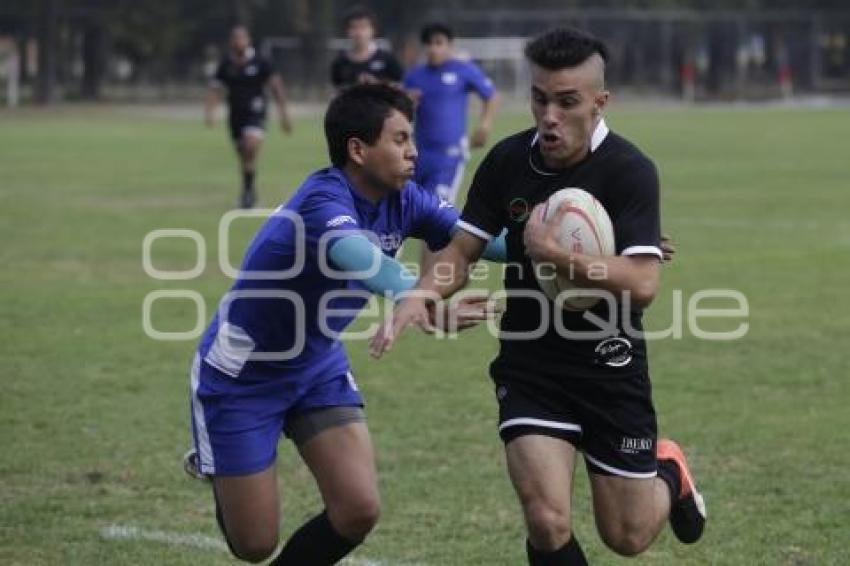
(316, 543)
(247, 180)
(669, 472)
(570, 554)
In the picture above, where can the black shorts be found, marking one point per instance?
(612, 421)
(242, 122)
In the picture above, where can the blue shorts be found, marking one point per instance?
(440, 172)
(237, 422)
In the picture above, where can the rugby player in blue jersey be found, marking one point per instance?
(271, 361)
(441, 87)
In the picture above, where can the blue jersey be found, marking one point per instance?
(275, 324)
(441, 112)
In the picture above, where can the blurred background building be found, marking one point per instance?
(123, 50)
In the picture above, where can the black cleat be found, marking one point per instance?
(687, 513)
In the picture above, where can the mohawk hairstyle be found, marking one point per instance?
(563, 48)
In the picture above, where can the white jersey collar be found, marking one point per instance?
(600, 132)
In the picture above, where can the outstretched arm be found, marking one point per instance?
(448, 273)
(357, 254)
(385, 276)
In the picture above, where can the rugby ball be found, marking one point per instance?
(586, 229)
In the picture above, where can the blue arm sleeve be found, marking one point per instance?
(497, 249)
(356, 253)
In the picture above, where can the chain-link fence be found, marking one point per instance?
(696, 55)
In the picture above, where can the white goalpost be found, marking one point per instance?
(9, 75)
(504, 53)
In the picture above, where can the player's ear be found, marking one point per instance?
(600, 102)
(356, 150)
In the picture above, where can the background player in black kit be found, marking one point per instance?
(363, 62)
(244, 75)
(559, 394)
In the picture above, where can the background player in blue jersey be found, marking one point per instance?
(441, 87)
(271, 361)
(244, 76)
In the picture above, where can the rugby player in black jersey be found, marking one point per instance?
(364, 61)
(570, 382)
(244, 76)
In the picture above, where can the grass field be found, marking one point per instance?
(94, 415)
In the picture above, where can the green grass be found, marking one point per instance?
(94, 415)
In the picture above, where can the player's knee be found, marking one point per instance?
(356, 519)
(549, 528)
(254, 549)
(627, 545)
(626, 540)
(252, 145)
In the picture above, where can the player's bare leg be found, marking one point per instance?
(629, 512)
(541, 470)
(342, 461)
(248, 511)
(248, 149)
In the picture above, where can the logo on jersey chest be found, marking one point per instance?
(449, 78)
(251, 70)
(389, 242)
(340, 220)
(376, 65)
(518, 209)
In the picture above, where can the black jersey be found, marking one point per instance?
(381, 65)
(507, 185)
(245, 84)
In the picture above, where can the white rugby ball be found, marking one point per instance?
(585, 229)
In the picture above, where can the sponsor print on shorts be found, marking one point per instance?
(629, 445)
(614, 352)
